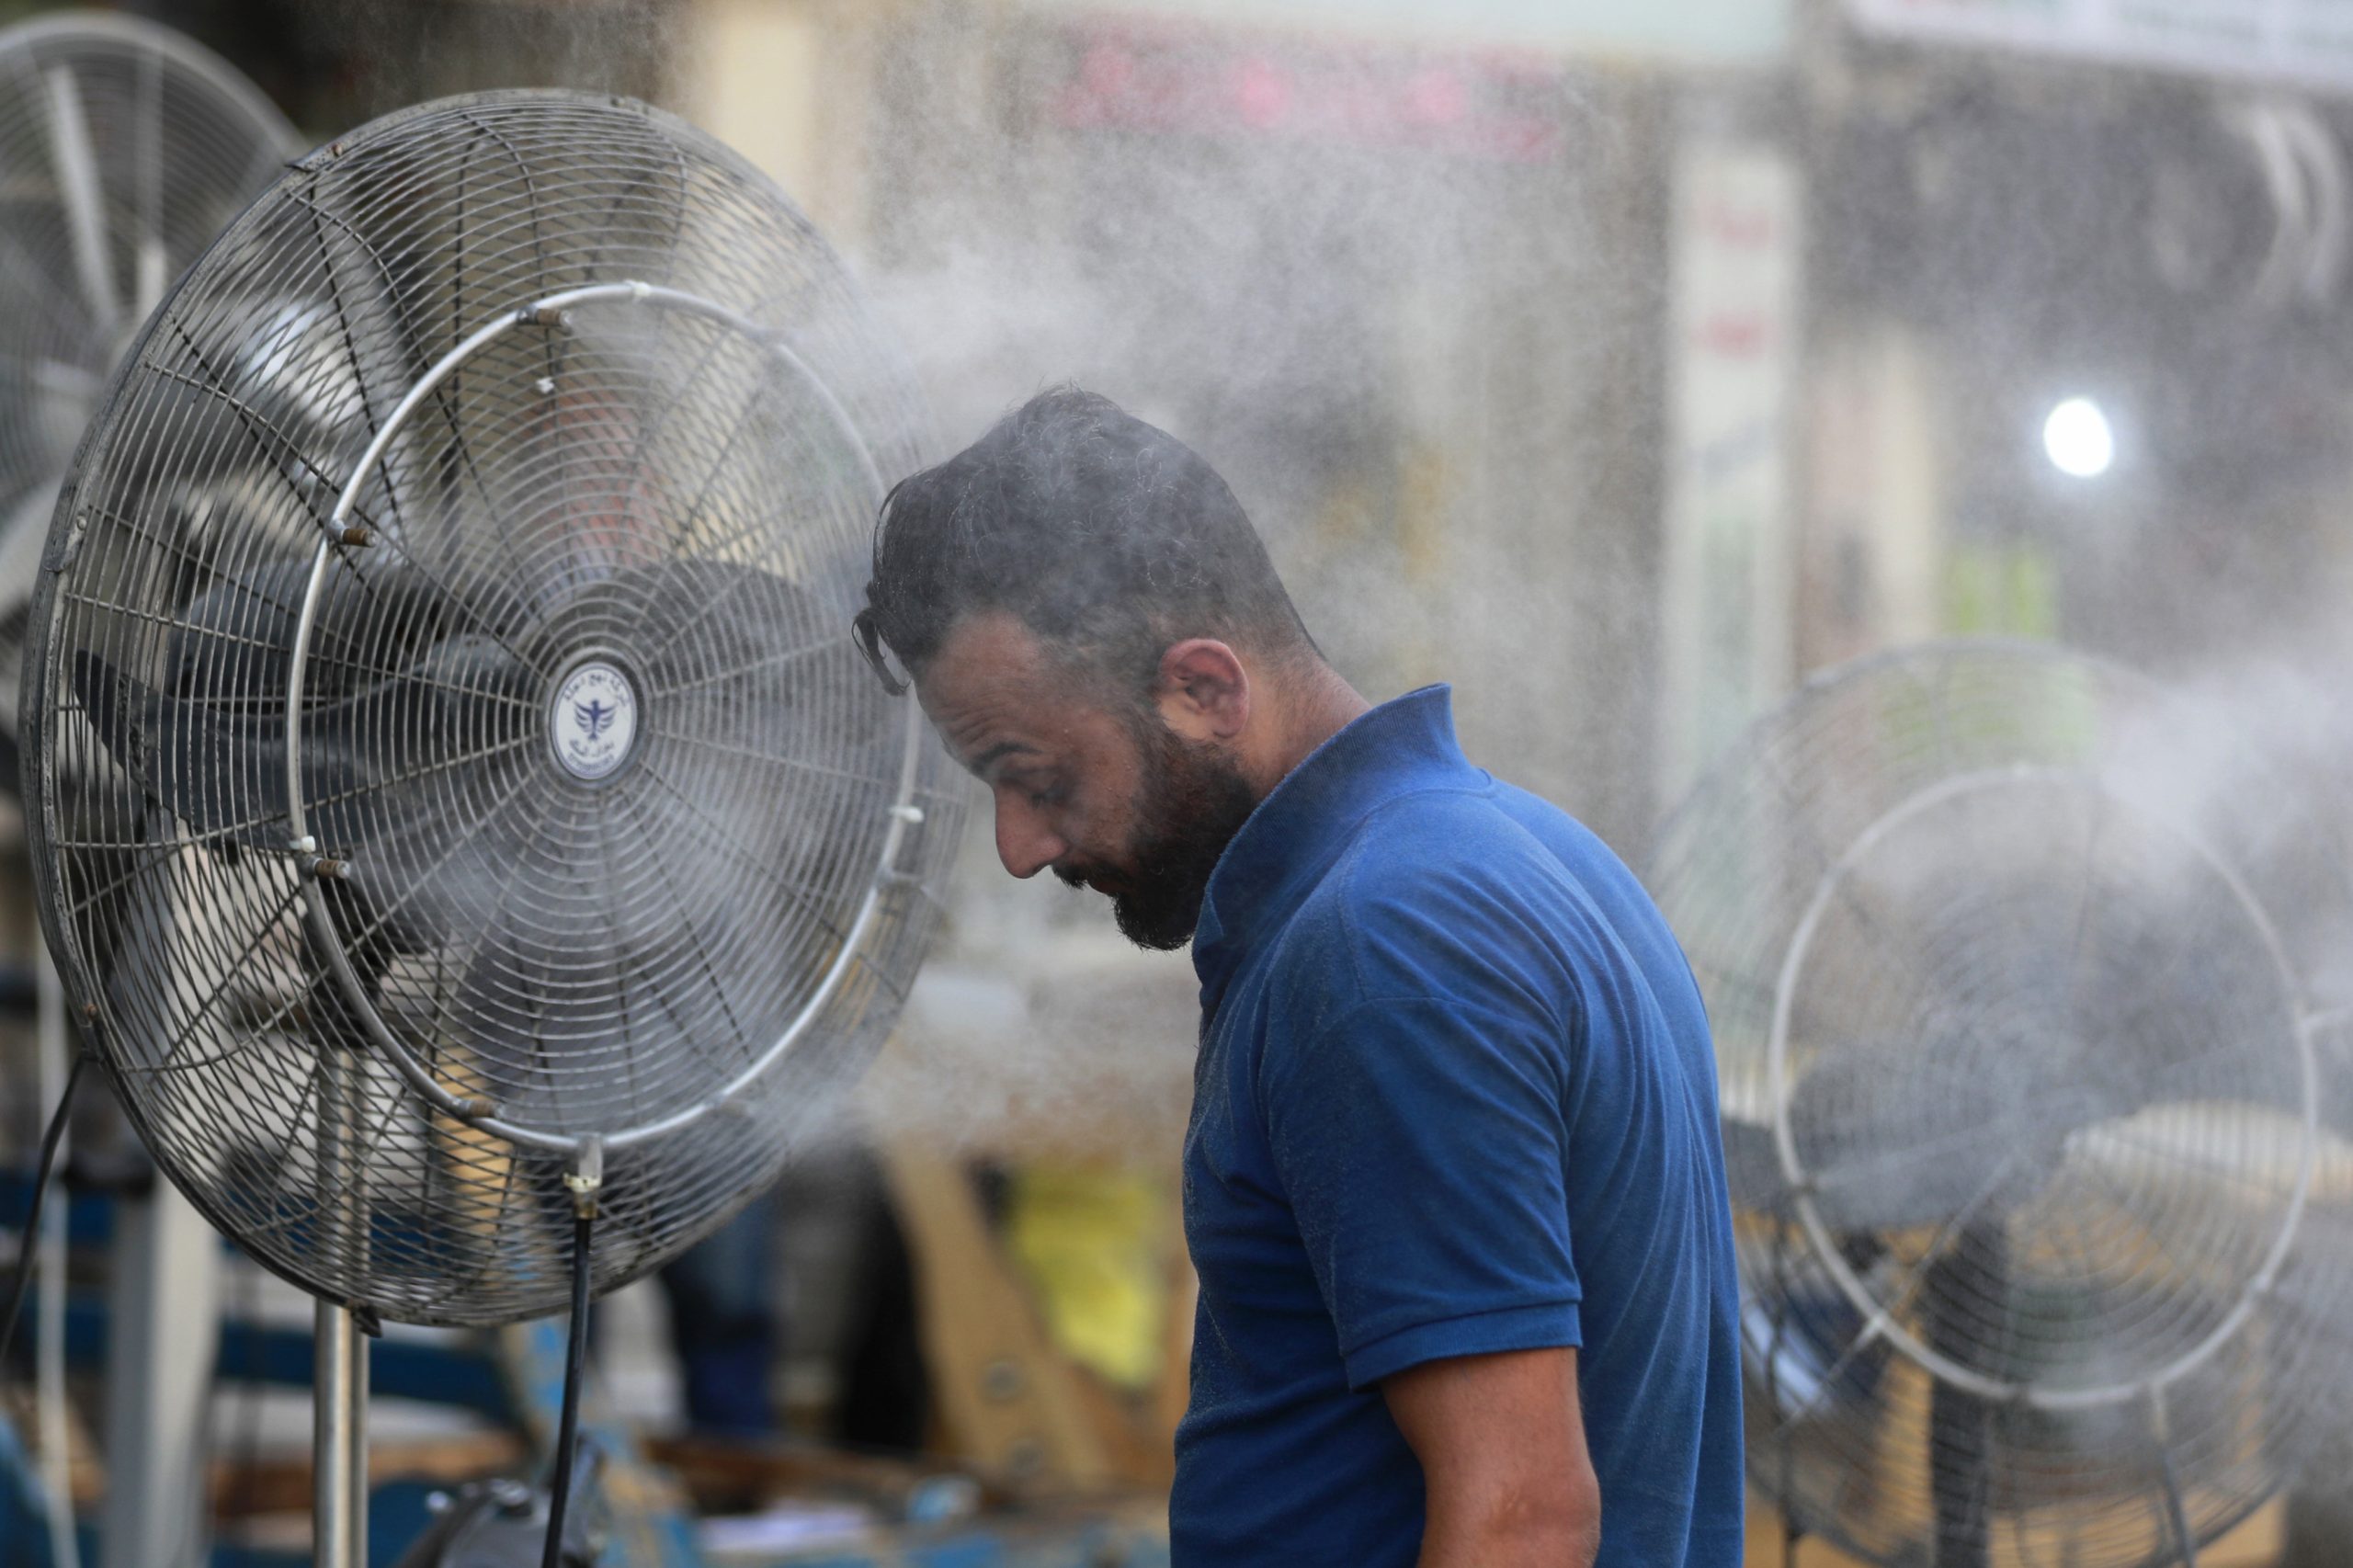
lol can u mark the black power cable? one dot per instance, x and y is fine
(576, 1356)
(26, 1252)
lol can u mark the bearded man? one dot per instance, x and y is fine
(1452, 1180)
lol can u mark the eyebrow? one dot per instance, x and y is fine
(979, 766)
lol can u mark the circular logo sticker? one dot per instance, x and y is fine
(593, 719)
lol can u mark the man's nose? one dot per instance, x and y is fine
(1024, 842)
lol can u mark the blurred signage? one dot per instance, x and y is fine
(2299, 40)
(1185, 82)
(1715, 32)
(1728, 641)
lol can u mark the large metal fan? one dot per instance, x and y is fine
(2021, 1107)
(453, 786)
(124, 149)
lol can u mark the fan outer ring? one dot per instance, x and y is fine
(548, 311)
(1881, 1324)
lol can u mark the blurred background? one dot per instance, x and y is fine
(1622, 363)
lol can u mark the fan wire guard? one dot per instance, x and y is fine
(607, 836)
(128, 148)
(2022, 1105)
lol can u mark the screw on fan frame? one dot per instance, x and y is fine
(551, 313)
(1879, 1321)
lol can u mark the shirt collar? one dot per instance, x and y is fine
(1399, 747)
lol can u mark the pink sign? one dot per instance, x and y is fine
(1174, 82)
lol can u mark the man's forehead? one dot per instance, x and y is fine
(992, 641)
(992, 692)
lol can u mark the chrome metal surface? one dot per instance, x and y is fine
(338, 1441)
(596, 396)
(484, 1114)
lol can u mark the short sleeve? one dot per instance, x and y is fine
(1421, 1144)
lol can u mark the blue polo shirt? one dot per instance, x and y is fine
(1455, 1094)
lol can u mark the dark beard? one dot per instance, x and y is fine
(1190, 804)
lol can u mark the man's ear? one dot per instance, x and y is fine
(1203, 692)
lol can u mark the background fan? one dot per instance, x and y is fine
(125, 148)
(2021, 1105)
(442, 665)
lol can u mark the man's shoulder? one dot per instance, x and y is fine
(1438, 894)
(1441, 854)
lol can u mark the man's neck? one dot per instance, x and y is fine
(1316, 705)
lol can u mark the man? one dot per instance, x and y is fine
(1452, 1181)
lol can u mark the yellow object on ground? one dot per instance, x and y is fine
(1092, 1246)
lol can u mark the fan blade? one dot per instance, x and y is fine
(177, 756)
(153, 264)
(1894, 1135)
(22, 539)
(2201, 1150)
(55, 378)
(1753, 1166)
(84, 200)
(227, 776)
(153, 274)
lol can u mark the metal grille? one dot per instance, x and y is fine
(2021, 1108)
(124, 149)
(450, 615)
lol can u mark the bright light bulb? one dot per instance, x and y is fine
(2077, 438)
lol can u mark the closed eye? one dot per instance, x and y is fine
(1042, 794)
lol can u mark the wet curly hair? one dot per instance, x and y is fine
(1108, 538)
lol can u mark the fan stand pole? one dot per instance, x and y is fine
(1960, 1424)
(2177, 1512)
(339, 1351)
(339, 1442)
(339, 1372)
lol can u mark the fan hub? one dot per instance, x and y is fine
(593, 719)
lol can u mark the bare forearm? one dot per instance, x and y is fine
(1506, 1479)
(1509, 1537)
